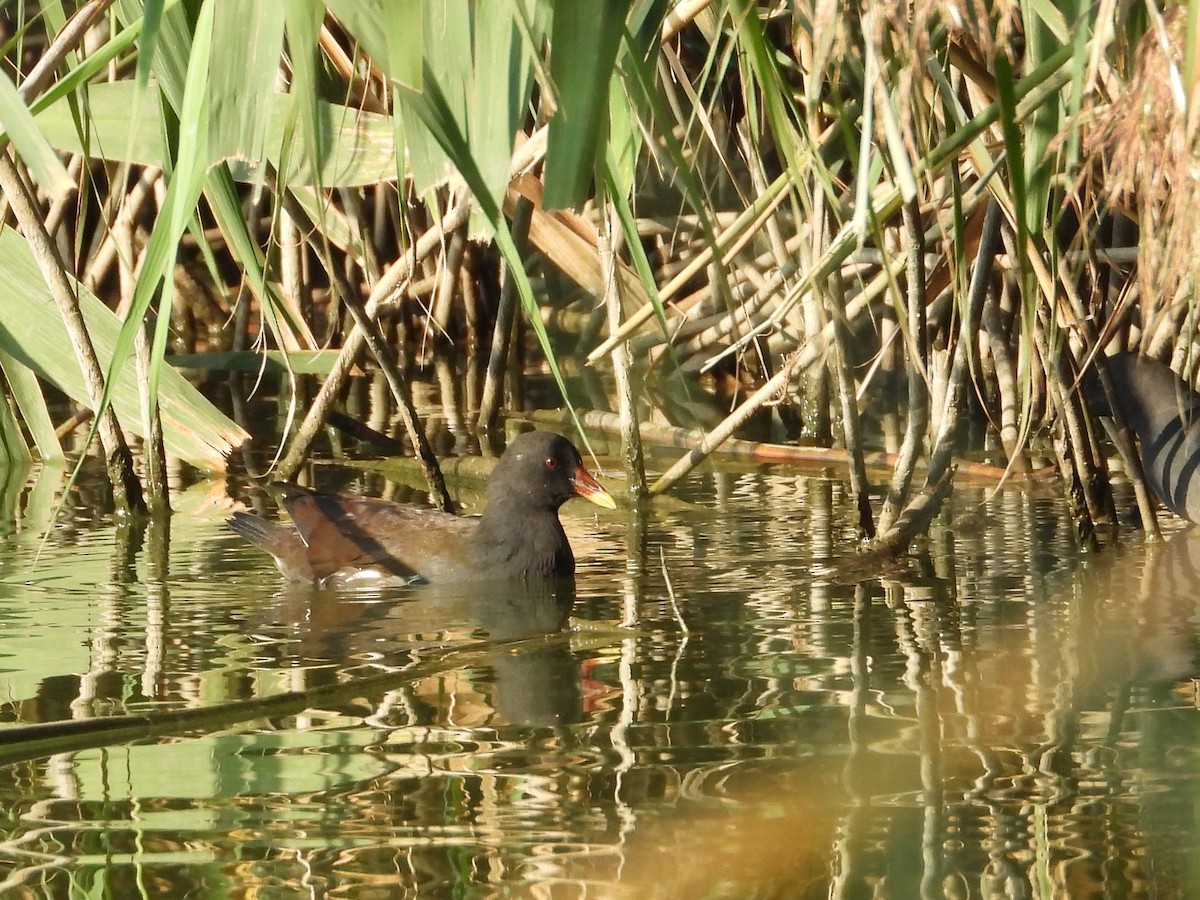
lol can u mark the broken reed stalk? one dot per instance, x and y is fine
(118, 461)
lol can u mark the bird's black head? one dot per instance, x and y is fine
(542, 470)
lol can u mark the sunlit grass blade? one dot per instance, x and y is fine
(360, 146)
(306, 133)
(183, 190)
(447, 40)
(285, 321)
(31, 403)
(152, 11)
(249, 34)
(584, 41)
(33, 333)
(14, 451)
(31, 145)
(501, 78)
(640, 85)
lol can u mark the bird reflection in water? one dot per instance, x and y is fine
(328, 632)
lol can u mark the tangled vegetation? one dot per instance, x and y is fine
(869, 223)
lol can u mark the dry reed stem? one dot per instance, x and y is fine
(390, 283)
(493, 385)
(127, 490)
(631, 445)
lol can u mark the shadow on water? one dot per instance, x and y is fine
(1000, 715)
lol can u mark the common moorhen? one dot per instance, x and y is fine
(341, 540)
(1164, 414)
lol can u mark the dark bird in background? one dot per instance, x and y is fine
(1164, 415)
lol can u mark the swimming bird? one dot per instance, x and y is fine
(345, 540)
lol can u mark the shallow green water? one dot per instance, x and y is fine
(1000, 716)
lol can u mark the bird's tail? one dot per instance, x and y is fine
(255, 529)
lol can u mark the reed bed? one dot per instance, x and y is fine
(876, 226)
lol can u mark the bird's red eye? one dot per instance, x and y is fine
(551, 462)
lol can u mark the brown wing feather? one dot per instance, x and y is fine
(343, 532)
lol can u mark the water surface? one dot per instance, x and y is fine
(731, 715)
